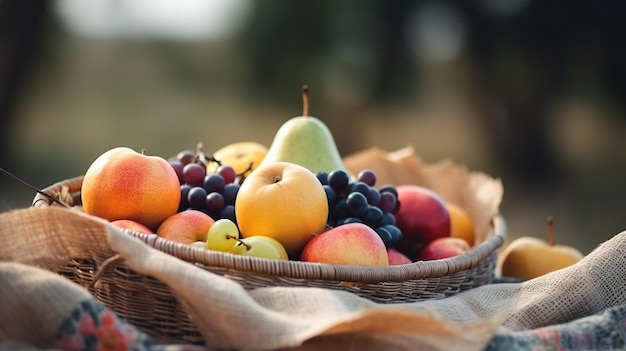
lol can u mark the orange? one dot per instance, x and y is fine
(461, 224)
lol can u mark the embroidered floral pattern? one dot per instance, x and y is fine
(603, 331)
(92, 326)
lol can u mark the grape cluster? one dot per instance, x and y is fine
(360, 201)
(213, 193)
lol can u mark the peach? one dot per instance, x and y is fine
(284, 201)
(124, 184)
(351, 244)
(443, 248)
(397, 258)
(186, 227)
(132, 225)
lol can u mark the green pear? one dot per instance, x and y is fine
(307, 141)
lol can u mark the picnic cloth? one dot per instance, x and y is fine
(580, 307)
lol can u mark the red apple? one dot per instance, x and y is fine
(444, 248)
(397, 258)
(422, 217)
(351, 244)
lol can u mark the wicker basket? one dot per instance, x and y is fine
(149, 304)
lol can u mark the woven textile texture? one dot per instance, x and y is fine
(230, 317)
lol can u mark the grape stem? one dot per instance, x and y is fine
(31, 187)
(247, 246)
(242, 175)
(305, 100)
(550, 224)
(202, 156)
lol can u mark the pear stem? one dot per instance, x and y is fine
(550, 224)
(305, 100)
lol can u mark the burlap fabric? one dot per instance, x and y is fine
(34, 302)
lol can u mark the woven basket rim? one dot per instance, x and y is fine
(307, 270)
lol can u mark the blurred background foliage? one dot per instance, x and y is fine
(531, 92)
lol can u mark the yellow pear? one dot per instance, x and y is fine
(307, 141)
(529, 257)
(243, 156)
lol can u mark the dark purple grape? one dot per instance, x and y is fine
(186, 156)
(213, 182)
(322, 177)
(228, 173)
(387, 202)
(385, 235)
(373, 196)
(358, 187)
(184, 191)
(196, 197)
(214, 202)
(178, 166)
(389, 189)
(338, 180)
(230, 193)
(367, 176)
(193, 174)
(357, 204)
(228, 212)
(340, 210)
(389, 218)
(373, 216)
(396, 234)
(331, 196)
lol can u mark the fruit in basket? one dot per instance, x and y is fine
(360, 201)
(307, 141)
(284, 201)
(213, 193)
(461, 224)
(396, 257)
(132, 225)
(222, 235)
(422, 217)
(186, 227)
(260, 246)
(443, 248)
(125, 184)
(243, 156)
(530, 257)
(350, 244)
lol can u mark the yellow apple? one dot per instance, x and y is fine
(284, 201)
(530, 257)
